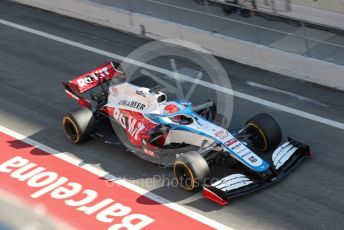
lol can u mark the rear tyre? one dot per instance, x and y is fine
(191, 171)
(267, 134)
(78, 125)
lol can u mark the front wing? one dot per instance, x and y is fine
(284, 159)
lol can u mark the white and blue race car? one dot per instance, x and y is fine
(180, 135)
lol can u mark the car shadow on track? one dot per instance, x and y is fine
(122, 164)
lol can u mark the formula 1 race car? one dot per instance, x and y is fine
(180, 135)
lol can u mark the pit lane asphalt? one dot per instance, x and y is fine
(32, 102)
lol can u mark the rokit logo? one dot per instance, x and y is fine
(93, 77)
(129, 123)
(231, 142)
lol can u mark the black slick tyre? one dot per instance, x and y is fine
(78, 125)
(266, 133)
(191, 170)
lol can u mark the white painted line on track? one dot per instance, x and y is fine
(241, 95)
(122, 182)
(287, 93)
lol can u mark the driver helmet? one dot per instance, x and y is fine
(170, 109)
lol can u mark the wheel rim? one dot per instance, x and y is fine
(258, 139)
(70, 130)
(184, 176)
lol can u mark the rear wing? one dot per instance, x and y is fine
(85, 82)
(94, 78)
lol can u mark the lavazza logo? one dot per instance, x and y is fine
(189, 72)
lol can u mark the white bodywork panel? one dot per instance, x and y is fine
(214, 132)
(134, 98)
(223, 136)
(139, 99)
(282, 154)
(180, 136)
(232, 182)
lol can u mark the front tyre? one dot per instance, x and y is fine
(266, 133)
(78, 125)
(191, 171)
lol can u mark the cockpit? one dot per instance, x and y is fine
(178, 111)
(182, 119)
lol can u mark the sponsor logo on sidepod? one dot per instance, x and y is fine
(129, 123)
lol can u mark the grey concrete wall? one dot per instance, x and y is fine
(332, 5)
(274, 60)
